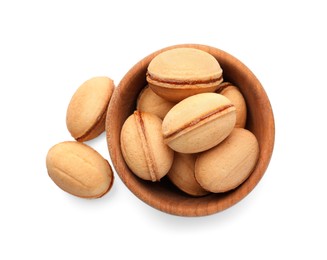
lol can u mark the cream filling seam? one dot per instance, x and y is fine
(145, 145)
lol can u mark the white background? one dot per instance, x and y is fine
(48, 48)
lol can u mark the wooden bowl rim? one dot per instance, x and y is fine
(186, 205)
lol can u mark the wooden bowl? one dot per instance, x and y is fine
(163, 195)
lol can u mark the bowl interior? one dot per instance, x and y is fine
(163, 195)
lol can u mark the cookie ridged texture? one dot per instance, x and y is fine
(79, 170)
(184, 65)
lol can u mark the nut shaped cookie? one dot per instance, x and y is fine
(178, 73)
(86, 112)
(198, 123)
(229, 164)
(79, 170)
(235, 96)
(150, 102)
(143, 148)
(181, 174)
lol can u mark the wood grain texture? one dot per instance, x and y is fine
(163, 195)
